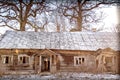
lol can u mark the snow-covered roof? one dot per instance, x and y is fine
(60, 40)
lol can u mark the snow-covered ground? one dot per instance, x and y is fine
(62, 76)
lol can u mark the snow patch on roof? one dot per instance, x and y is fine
(60, 40)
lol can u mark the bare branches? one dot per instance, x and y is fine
(77, 11)
(8, 4)
(10, 17)
(96, 4)
(83, 2)
(9, 27)
(20, 11)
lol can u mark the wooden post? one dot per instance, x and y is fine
(31, 59)
(40, 59)
(51, 64)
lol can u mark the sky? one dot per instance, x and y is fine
(110, 20)
(112, 15)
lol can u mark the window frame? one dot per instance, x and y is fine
(10, 59)
(79, 60)
(23, 57)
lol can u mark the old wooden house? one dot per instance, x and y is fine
(37, 52)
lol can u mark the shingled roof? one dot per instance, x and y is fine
(60, 40)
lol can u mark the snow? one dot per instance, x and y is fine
(62, 76)
(61, 40)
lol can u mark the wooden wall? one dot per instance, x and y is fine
(67, 64)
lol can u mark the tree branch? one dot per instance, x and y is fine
(6, 3)
(9, 27)
(10, 17)
(97, 5)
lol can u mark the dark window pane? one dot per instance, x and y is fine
(24, 60)
(7, 60)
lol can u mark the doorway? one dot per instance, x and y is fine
(108, 64)
(45, 63)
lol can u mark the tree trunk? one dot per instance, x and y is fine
(22, 23)
(22, 26)
(24, 14)
(79, 18)
(79, 24)
(58, 28)
(35, 29)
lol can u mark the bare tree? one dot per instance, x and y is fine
(39, 22)
(17, 12)
(82, 11)
(21, 14)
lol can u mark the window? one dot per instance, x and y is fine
(23, 59)
(79, 60)
(7, 59)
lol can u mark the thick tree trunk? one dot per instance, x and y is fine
(58, 28)
(24, 14)
(22, 23)
(22, 26)
(79, 18)
(79, 24)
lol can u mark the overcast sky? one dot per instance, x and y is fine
(111, 18)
